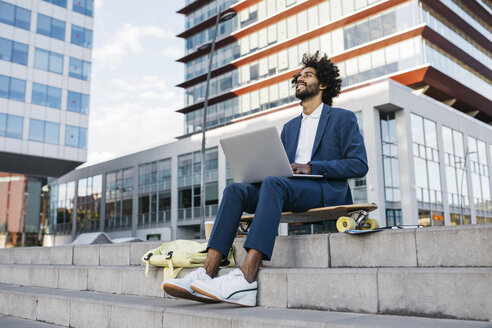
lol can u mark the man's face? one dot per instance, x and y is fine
(307, 84)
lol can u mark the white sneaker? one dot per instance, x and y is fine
(181, 287)
(231, 288)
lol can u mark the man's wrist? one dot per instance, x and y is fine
(310, 166)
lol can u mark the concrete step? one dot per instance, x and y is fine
(7, 321)
(464, 293)
(94, 309)
(463, 246)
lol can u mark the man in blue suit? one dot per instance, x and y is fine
(322, 140)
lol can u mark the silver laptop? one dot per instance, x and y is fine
(256, 155)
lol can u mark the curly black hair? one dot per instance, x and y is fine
(326, 72)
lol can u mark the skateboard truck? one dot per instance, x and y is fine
(356, 220)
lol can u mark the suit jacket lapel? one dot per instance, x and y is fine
(296, 128)
(325, 114)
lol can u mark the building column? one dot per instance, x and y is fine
(409, 207)
(102, 215)
(74, 211)
(442, 172)
(174, 197)
(135, 201)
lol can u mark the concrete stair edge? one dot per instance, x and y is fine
(363, 290)
(427, 247)
(92, 309)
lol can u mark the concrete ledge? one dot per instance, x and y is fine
(6, 255)
(459, 246)
(42, 255)
(92, 309)
(464, 293)
(346, 290)
(54, 310)
(393, 248)
(23, 255)
(111, 254)
(61, 255)
(86, 255)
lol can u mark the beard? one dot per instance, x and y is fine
(309, 91)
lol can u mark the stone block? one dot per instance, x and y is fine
(21, 275)
(462, 293)
(112, 254)
(308, 251)
(134, 282)
(85, 314)
(23, 255)
(7, 255)
(272, 288)
(189, 318)
(62, 255)
(43, 276)
(239, 251)
(346, 290)
(72, 277)
(86, 255)
(137, 250)
(23, 305)
(41, 255)
(6, 274)
(455, 246)
(135, 317)
(104, 279)
(54, 310)
(392, 248)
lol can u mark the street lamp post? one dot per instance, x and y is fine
(463, 172)
(211, 46)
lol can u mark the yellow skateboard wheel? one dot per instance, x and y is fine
(345, 223)
(370, 224)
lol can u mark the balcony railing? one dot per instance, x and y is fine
(118, 223)
(154, 219)
(194, 212)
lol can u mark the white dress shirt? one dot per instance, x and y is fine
(309, 126)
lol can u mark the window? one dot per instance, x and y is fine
(45, 95)
(51, 27)
(84, 7)
(11, 126)
(16, 16)
(81, 37)
(48, 61)
(76, 137)
(13, 51)
(11, 88)
(77, 102)
(79, 69)
(61, 3)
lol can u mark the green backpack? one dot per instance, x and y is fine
(178, 254)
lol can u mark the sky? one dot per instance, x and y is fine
(134, 73)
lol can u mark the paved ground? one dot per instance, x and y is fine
(12, 322)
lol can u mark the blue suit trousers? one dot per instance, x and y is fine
(267, 200)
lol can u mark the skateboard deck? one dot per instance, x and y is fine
(398, 227)
(321, 214)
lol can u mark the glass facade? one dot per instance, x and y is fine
(12, 88)
(65, 204)
(81, 37)
(60, 3)
(480, 179)
(79, 69)
(11, 126)
(84, 7)
(456, 178)
(51, 27)
(46, 132)
(48, 61)
(14, 52)
(75, 137)
(119, 200)
(154, 193)
(15, 16)
(45, 95)
(89, 194)
(77, 102)
(189, 184)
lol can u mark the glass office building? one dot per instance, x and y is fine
(416, 73)
(45, 66)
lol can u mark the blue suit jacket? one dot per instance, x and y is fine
(338, 152)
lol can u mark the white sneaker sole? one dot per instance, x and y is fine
(244, 301)
(180, 292)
